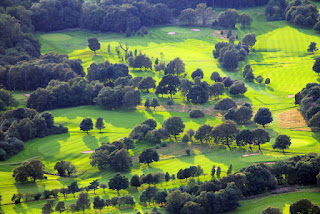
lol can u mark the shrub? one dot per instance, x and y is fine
(164, 144)
(225, 104)
(196, 114)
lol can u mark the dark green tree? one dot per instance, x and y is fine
(118, 182)
(148, 156)
(263, 116)
(86, 125)
(260, 136)
(94, 44)
(98, 203)
(282, 142)
(154, 103)
(60, 207)
(316, 66)
(100, 124)
(135, 181)
(83, 201)
(174, 126)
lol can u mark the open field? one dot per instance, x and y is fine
(280, 54)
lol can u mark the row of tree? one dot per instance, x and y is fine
(229, 19)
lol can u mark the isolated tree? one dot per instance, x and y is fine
(94, 185)
(249, 40)
(312, 47)
(245, 20)
(263, 116)
(244, 137)
(271, 210)
(259, 79)
(60, 207)
(217, 89)
(213, 171)
(282, 142)
(33, 169)
(73, 188)
(215, 76)
(197, 73)
(316, 66)
(260, 136)
(229, 170)
(225, 132)
(83, 201)
(175, 67)
(100, 124)
(174, 126)
(103, 186)
(267, 81)
(204, 13)
(148, 156)
(86, 125)
(98, 203)
(94, 44)
(188, 16)
(154, 103)
(118, 182)
(135, 181)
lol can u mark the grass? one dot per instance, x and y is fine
(279, 54)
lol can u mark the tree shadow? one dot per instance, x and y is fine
(19, 208)
(90, 141)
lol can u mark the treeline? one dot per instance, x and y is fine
(23, 124)
(30, 75)
(297, 12)
(309, 100)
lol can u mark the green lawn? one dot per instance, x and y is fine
(279, 54)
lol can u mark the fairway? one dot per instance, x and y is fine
(280, 54)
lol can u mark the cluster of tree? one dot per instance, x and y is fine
(33, 169)
(140, 61)
(65, 168)
(7, 100)
(17, 42)
(240, 115)
(30, 75)
(156, 178)
(309, 100)
(297, 12)
(107, 72)
(58, 94)
(191, 16)
(229, 19)
(229, 54)
(23, 124)
(249, 76)
(239, 3)
(301, 170)
(130, 16)
(114, 155)
(86, 124)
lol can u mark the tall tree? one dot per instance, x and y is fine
(83, 201)
(316, 66)
(86, 125)
(263, 116)
(312, 47)
(100, 124)
(225, 132)
(98, 203)
(135, 181)
(154, 103)
(175, 67)
(94, 44)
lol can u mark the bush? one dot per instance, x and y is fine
(196, 114)
(188, 152)
(225, 104)
(170, 102)
(158, 146)
(164, 144)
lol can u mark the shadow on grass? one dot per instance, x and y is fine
(90, 141)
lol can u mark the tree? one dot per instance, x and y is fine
(60, 207)
(267, 81)
(204, 13)
(169, 85)
(148, 194)
(215, 76)
(135, 181)
(225, 104)
(217, 89)
(317, 27)
(48, 207)
(225, 132)
(263, 116)
(229, 170)
(175, 67)
(86, 125)
(83, 201)
(118, 182)
(103, 186)
(238, 88)
(98, 203)
(271, 210)
(147, 103)
(65, 168)
(249, 40)
(259, 79)
(229, 59)
(228, 19)
(167, 177)
(33, 169)
(192, 208)
(188, 16)
(218, 172)
(100, 124)
(197, 73)
(185, 86)
(204, 133)
(94, 185)
(174, 126)
(154, 103)
(198, 94)
(312, 47)
(120, 160)
(94, 44)
(147, 83)
(213, 171)
(176, 200)
(73, 188)
(148, 156)
(316, 66)
(304, 206)
(245, 20)
(260, 136)
(282, 142)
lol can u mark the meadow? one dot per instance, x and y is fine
(279, 54)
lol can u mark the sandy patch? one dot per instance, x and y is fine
(290, 96)
(196, 30)
(267, 163)
(25, 100)
(87, 152)
(172, 33)
(27, 95)
(292, 119)
(247, 155)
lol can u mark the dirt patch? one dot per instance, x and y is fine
(27, 95)
(247, 155)
(222, 34)
(290, 96)
(171, 33)
(87, 152)
(267, 163)
(292, 119)
(196, 30)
